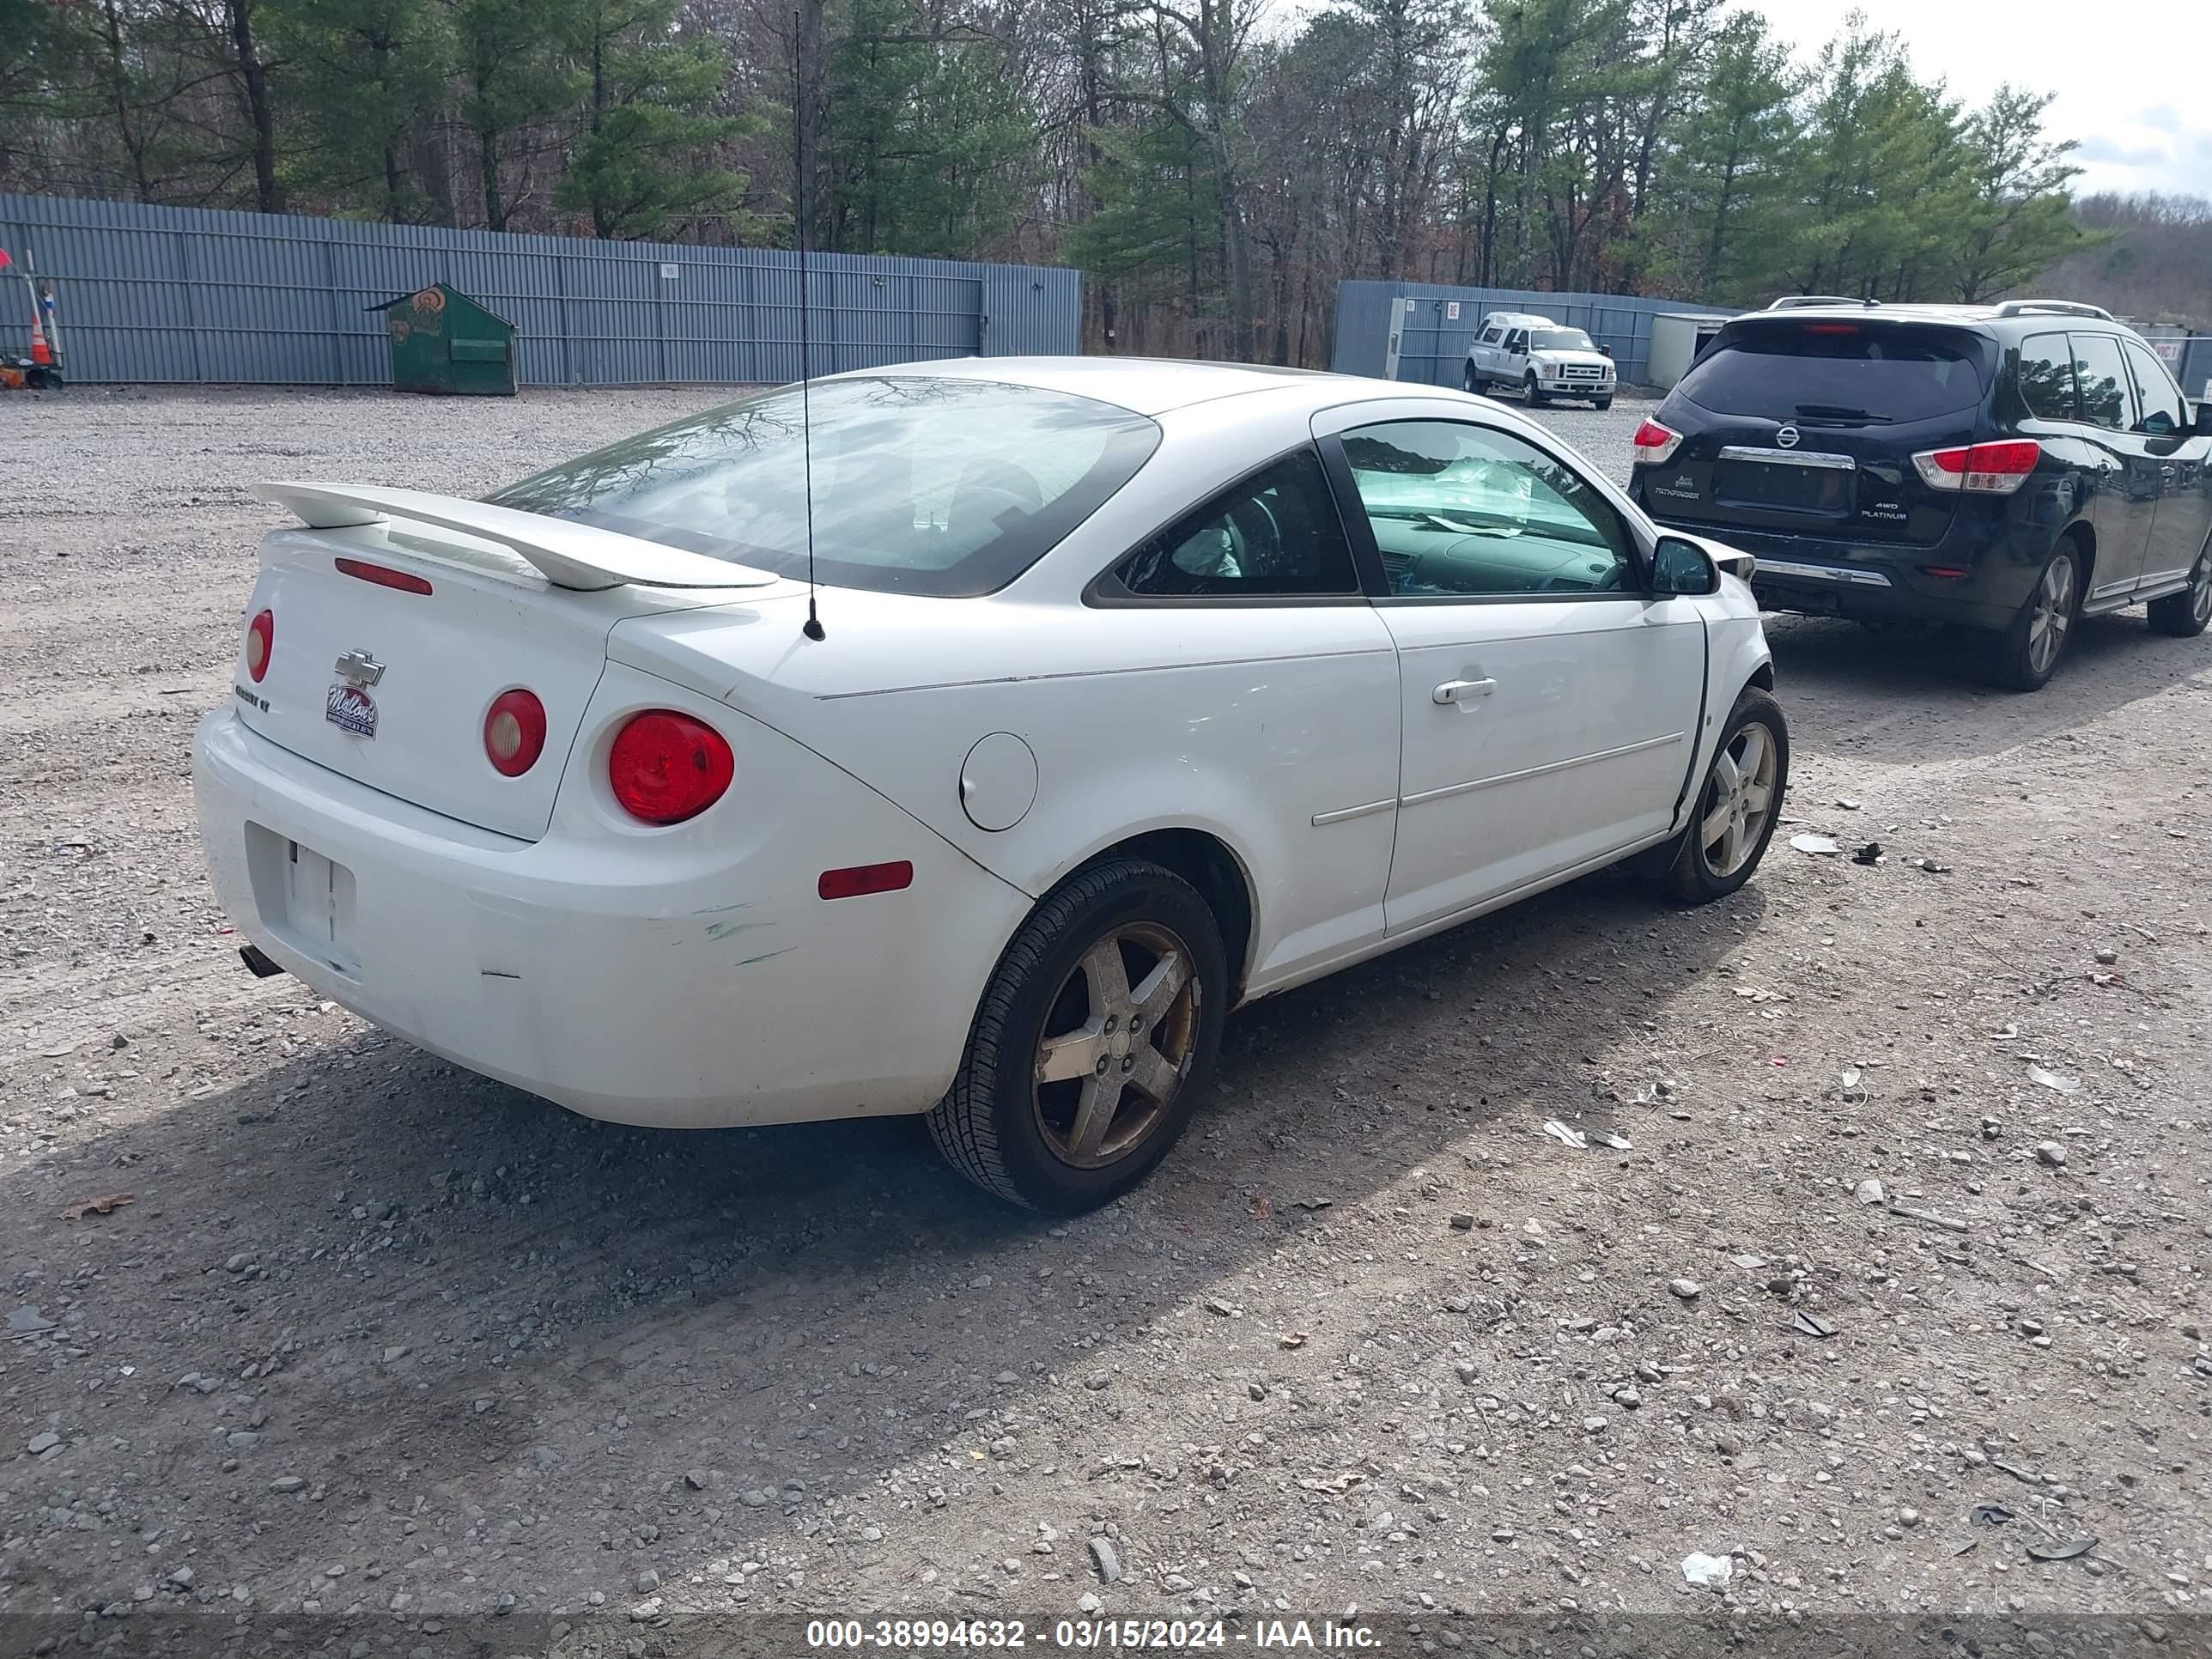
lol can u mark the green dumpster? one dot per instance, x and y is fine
(444, 342)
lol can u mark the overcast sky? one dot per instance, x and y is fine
(2134, 77)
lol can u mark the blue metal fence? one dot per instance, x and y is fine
(1435, 323)
(151, 293)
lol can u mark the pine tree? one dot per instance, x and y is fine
(366, 80)
(929, 137)
(640, 167)
(2018, 219)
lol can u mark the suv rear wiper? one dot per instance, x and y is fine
(1839, 412)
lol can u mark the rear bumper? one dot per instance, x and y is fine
(1831, 576)
(666, 978)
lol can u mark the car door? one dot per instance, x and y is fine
(2184, 517)
(1548, 706)
(1288, 681)
(1487, 356)
(1513, 359)
(2128, 482)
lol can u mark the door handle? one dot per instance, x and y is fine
(1463, 691)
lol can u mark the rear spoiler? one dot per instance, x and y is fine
(577, 556)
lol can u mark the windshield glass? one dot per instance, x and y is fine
(1562, 339)
(936, 486)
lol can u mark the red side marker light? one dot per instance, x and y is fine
(383, 575)
(859, 878)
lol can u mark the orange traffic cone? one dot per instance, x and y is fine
(40, 354)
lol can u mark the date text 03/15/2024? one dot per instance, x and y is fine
(1168, 1635)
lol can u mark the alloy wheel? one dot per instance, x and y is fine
(2200, 593)
(1740, 798)
(1118, 1043)
(2052, 614)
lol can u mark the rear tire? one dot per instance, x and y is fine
(1126, 1074)
(2184, 614)
(2025, 656)
(1533, 393)
(1473, 381)
(1738, 805)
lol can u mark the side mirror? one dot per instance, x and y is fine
(1605, 350)
(2204, 419)
(1681, 569)
(2158, 424)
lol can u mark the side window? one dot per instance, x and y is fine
(1494, 333)
(1464, 512)
(2046, 377)
(1274, 533)
(2164, 413)
(1517, 342)
(2101, 378)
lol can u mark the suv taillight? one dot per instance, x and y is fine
(1996, 469)
(1655, 443)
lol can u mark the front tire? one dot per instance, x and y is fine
(2184, 614)
(2028, 653)
(1602, 405)
(1532, 393)
(1738, 805)
(1094, 1036)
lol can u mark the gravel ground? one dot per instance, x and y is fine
(378, 1338)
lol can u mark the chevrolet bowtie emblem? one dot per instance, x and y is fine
(359, 668)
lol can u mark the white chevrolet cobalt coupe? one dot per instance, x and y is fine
(1143, 690)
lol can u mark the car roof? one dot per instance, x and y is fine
(1145, 385)
(1519, 316)
(1953, 316)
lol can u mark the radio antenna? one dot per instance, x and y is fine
(800, 214)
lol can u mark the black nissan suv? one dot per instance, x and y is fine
(2001, 468)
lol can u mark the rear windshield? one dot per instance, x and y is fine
(935, 486)
(1561, 339)
(1841, 370)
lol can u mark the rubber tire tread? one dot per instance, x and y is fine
(2005, 659)
(2169, 616)
(1686, 879)
(964, 1124)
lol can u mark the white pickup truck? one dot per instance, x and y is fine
(1544, 359)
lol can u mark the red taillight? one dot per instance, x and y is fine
(859, 878)
(515, 731)
(1996, 469)
(1654, 442)
(1831, 328)
(260, 641)
(1949, 572)
(383, 575)
(667, 767)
